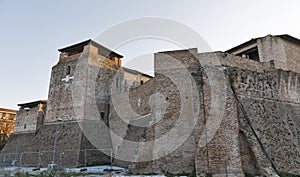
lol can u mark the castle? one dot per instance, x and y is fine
(224, 113)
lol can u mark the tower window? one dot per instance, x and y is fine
(102, 115)
(251, 54)
(68, 70)
(117, 82)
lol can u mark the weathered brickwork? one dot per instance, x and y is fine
(292, 54)
(30, 117)
(270, 101)
(237, 147)
(219, 154)
(60, 93)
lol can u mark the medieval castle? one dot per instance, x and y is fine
(224, 113)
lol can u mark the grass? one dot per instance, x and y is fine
(249, 175)
(193, 174)
(287, 175)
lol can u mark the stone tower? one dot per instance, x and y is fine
(78, 99)
(81, 80)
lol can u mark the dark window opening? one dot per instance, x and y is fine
(142, 82)
(251, 54)
(24, 126)
(68, 70)
(104, 118)
(117, 82)
(102, 115)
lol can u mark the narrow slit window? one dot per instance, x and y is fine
(68, 70)
(102, 115)
(117, 82)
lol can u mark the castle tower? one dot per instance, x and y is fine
(78, 103)
(80, 80)
(76, 122)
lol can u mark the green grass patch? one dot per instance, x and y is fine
(287, 175)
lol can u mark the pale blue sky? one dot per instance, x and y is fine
(33, 30)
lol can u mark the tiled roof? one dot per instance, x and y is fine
(8, 110)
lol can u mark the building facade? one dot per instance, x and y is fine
(7, 122)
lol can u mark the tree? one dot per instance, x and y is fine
(6, 130)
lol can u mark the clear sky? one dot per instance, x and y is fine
(33, 30)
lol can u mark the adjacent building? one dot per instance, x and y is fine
(7, 122)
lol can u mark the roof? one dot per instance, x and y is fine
(33, 104)
(79, 47)
(135, 72)
(8, 110)
(253, 40)
(290, 38)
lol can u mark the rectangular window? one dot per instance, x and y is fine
(117, 82)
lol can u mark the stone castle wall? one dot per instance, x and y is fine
(270, 101)
(217, 149)
(157, 106)
(240, 143)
